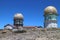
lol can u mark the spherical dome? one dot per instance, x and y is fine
(18, 16)
(50, 9)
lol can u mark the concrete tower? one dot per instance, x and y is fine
(50, 17)
(18, 20)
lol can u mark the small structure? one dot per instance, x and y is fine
(29, 27)
(8, 27)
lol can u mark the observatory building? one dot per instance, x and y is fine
(50, 17)
(18, 20)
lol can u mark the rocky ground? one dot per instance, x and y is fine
(36, 34)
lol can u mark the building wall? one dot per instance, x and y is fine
(18, 22)
(50, 21)
(51, 24)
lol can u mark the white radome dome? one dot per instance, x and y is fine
(50, 9)
(18, 16)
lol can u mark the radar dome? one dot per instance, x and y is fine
(18, 16)
(50, 9)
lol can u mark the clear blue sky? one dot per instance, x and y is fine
(33, 11)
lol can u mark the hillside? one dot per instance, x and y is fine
(37, 34)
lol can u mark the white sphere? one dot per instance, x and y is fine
(18, 16)
(50, 9)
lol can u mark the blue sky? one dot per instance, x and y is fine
(33, 11)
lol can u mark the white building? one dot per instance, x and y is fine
(8, 27)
